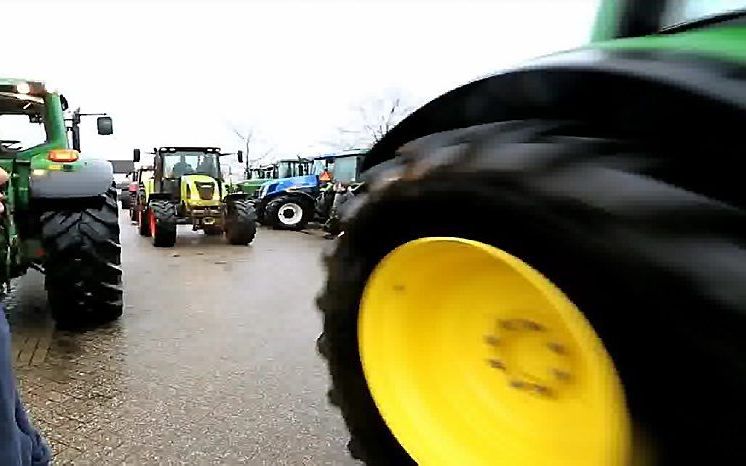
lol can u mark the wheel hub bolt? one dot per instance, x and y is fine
(556, 347)
(542, 390)
(491, 340)
(497, 364)
(519, 384)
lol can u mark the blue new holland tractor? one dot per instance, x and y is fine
(301, 191)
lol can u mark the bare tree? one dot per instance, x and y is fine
(371, 121)
(252, 156)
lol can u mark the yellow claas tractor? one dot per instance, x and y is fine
(187, 188)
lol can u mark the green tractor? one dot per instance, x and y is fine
(60, 208)
(548, 266)
(187, 188)
(256, 177)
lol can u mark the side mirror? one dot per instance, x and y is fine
(240, 156)
(136, 155)
(104, 126)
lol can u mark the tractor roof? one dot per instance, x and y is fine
(188, 149)
(335, 155)
(23, 86)
(296, 160)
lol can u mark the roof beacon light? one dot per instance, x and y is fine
(23, 88)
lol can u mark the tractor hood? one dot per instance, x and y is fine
(295, 183)
(200, 188)
(251, 186)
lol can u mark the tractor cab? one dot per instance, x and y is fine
(291, 168)
(343, 185)
(176, 169)
(258, 173)
(323, 167)
(347, 168)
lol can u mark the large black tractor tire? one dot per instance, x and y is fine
(288, 213)
(656, 267)
(126, 201)
(143, 220)
(163, 226)
(133, 208)
(240, 222)
(212, 230)
(83, 261)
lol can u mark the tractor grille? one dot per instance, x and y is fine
(205, 190)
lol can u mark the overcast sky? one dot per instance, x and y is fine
(181, 73)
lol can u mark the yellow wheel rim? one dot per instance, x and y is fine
(473, 357)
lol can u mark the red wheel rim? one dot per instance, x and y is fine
(151, 215)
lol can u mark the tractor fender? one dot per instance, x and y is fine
(160, 196)
(648, 94)
(90, 178)
(305, 197)
(240, 196)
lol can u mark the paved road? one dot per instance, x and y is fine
(213, 362)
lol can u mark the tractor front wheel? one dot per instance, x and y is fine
(288, 213)
(82, 261)
(583, 297)
(162, 223)
(240, 222)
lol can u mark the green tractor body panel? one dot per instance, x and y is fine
(724, 43)
(251, 186)
(605, 26)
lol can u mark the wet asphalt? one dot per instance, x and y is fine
(213, 361)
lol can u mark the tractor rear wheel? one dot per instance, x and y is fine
(240, 222)
(288, 213)
(82, 261)
(162, 222)
(126, 200)
(576, 268)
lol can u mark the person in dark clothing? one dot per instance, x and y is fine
(181, 168)
(20, 443)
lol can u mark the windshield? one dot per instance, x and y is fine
(257, 173)
(292, 168)
(178, 164)
(285, 170)
(345, 169)
(320, 165)
(17, 131)
(686, 11)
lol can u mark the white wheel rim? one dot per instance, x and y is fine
(290, 213)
